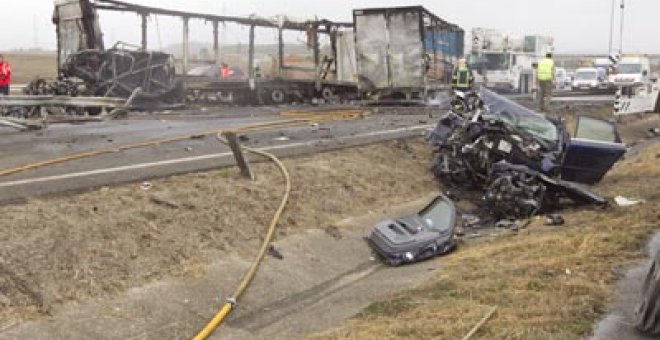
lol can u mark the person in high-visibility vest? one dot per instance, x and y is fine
(545, 74)
(462, 78)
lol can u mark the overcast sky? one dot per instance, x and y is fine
(579, 26)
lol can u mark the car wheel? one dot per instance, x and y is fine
(647, 312)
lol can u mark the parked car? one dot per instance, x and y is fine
(523, 160)
(562, 81)
(590, 79)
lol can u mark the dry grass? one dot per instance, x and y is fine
(98, 243)
(549, 283)
(27, 66)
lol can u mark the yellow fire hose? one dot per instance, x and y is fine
(249, 275)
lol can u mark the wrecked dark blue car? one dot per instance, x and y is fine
(523, 160)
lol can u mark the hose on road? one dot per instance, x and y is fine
(304, 118)
(249, 275)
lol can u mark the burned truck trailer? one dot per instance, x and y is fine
(404, 52)
(79, 33)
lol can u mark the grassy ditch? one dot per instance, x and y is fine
(547, 282)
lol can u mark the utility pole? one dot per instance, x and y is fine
(609, 51)
(36, 31)
(623, 6)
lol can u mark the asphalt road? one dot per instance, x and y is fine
(194, 154)
(618, 324)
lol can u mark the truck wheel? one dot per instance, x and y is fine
(327, 93)
(277, 96)
(647, 312)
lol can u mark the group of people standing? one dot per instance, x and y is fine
(463, 79)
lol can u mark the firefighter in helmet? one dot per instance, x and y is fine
(462, 78)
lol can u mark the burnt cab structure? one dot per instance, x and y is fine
(404, 52)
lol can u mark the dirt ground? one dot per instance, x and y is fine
(547, 282)
(27, 66)
(95, 244)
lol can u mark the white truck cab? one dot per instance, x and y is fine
(631, 70)
(506, 62)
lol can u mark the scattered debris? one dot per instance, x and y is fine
(481, 322)
(416, 237)
(470, 221)
(626, 202)
(654, 132)
(272, 251)
(334, 232)
(554, 219)
(164, 202)
(505, 224)
(146, 186)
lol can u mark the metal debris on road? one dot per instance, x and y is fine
(626, 202)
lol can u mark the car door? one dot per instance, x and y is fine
(593, 150)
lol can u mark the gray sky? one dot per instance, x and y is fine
(579, 26)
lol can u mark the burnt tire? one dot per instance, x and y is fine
(277, 96)
(647, 311)
(327, 94)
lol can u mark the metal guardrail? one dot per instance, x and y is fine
(117, 105)
(22, 100)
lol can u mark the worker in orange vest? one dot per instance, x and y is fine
(5, 76)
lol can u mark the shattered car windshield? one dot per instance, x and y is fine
(439, 215)
(535, 125)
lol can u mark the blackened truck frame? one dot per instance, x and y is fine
(314, 27)
(404, 50)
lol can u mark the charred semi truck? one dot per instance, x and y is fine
(404, 53)
(116, 71)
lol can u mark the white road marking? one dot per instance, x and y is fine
(193, 159)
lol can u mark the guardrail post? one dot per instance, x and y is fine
(216, 43)
(241, 161)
